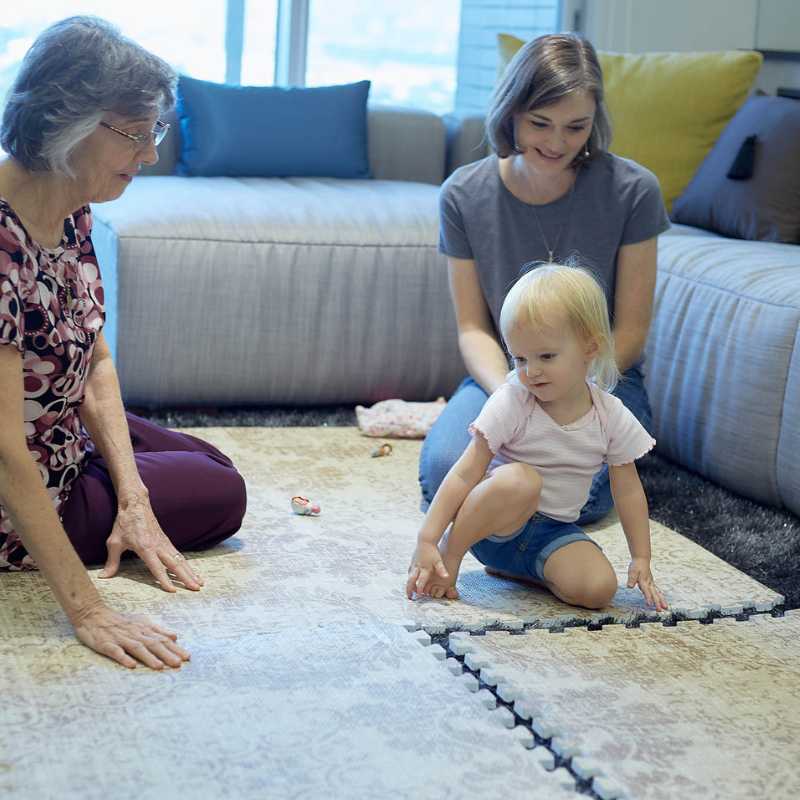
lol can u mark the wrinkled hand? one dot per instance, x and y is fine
(426, 563)
(128, 640)
(136, 528)
(639, 573)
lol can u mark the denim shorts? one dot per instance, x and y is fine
(525, 552)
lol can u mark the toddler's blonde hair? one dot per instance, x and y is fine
(574, 294)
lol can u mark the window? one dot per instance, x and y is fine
(407, 49)
(199, 50)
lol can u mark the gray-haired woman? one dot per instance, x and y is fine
(551, 191)
(81, 481)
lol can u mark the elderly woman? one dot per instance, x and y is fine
(81, 481)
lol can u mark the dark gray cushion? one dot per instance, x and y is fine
(766, 206)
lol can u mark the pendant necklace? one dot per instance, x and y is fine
(564, 224)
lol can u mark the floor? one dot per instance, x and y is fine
(312, 675)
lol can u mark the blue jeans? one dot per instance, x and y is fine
(524, 553)
(448, 438)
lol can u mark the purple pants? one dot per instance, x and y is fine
(196, 493)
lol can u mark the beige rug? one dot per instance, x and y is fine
(303, 679)
(657, 713)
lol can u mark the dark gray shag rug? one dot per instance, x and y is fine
(761, 541)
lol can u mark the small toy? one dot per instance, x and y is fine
(382, 450)
(304, 507)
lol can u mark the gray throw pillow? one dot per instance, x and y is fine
(764, 206)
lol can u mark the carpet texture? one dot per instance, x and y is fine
(761, 541)
(307, 677)
(657, 713)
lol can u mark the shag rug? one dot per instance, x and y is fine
(761, 541)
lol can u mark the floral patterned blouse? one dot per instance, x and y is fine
(51, 310)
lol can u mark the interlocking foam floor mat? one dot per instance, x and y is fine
(303, 676)
(333, 710)
(657, 712)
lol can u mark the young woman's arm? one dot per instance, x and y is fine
(477, 341)
(633, 300)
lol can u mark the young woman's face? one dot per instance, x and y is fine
(550, 137)
(551, 361)
(107, 161)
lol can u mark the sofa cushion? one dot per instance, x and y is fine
(271, 131)
(722, 348)
(668, 109)
(237, 291)
(765, 206)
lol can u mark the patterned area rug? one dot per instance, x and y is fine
(305, 677)
(656, 712)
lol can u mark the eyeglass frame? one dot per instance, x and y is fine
(156, 136)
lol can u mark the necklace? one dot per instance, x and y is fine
(564, 224)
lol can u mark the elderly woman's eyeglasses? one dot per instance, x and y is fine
(156, 136)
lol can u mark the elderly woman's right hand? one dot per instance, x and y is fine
(128, 640)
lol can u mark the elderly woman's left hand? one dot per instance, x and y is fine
(136, 528)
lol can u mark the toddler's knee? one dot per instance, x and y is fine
(523, 485)
(598, 592)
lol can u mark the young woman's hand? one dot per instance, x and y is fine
(639, 574)
(128, 640)
(136, 528)
(426, 563)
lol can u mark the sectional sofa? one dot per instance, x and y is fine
(309, 291)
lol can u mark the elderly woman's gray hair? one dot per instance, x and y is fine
(76, 71)
(542, 72)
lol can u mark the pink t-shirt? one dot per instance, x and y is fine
(567, 457)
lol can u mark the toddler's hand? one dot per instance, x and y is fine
(639, 573)
(425, 563)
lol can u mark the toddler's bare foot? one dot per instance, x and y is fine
(446, 587)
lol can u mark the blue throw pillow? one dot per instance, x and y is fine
(271, 131)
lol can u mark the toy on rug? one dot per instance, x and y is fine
(304, 507)
(384, 449)
(399, 418)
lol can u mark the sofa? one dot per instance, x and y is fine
(315, 291)
(297, 291)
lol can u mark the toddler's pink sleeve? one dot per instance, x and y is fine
(627, 438)
(501, 416)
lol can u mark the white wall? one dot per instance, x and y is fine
(638, 26)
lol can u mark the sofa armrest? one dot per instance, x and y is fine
(465, 140)
(404, 144)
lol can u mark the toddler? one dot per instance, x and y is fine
(513, 496)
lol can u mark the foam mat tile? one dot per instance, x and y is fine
(335, 710)
(691, 710)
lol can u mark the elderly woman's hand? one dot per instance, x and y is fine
(136, 528)
(128, 640)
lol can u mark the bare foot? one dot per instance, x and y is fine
(446, 587)
(511, 576)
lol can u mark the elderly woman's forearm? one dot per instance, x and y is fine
(103, 416)
(27, 502)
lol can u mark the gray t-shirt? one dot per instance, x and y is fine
(616, 202)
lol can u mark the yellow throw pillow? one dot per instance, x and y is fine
(668, 109)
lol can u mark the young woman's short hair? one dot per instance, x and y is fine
(542, 72)
(76, 71)
(571, 294)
